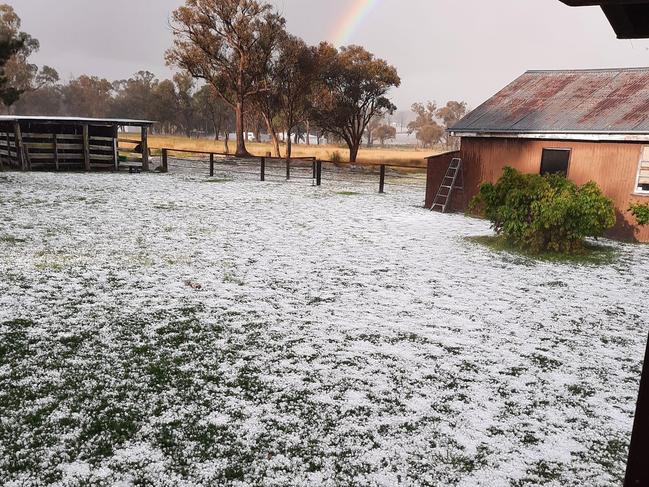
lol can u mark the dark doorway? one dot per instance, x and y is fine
(555, 161)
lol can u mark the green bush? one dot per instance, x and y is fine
(641, 213)
(544, 213)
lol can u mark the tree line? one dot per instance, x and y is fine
(238, 69)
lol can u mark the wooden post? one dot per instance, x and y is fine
(145, 148)
(382, 180)
(263, 169)
(318, 179)
(56, 152)
(211, 165)
(637, 468)
(18, 143)
(86, 148)
(165, 160)
(288, 169)
(116, 154)
(9, 149)
(116, 147)
(313, 168)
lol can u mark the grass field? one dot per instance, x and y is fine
(409, 156)
(177, 330)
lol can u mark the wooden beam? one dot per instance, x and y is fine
(8, 149)
(18, 142)
(86, 148)
(56, 152)
(116, 147)
(165, 160)
(145, 148)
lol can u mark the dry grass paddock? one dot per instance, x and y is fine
(378, 155)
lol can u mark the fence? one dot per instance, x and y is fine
(300, 168)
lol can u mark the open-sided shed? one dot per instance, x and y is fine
(69, 143)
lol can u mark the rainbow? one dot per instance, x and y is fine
(352, 20)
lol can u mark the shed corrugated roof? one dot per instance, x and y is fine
(80, 120)
(600, 101)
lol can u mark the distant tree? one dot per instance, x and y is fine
(134, 97)
(187, 110)
(88, 96)
(429, 135)
(17, 75)
(424, 115)
(298, 69)
(374, 124)
(353, 90)
(213, 111)
(450, 115)
(268, 104)
(385, 132)
(229, 44)
(164, 106)
(427, 130)
(44, 98)
(452, 112)
(286, 102)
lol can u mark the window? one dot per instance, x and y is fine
(643, 172)
(555, 161)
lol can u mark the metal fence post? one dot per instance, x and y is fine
(637, 469)
(165, 160)
(382, 180)
(263, 169)
(211, 165)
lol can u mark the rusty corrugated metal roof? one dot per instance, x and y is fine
(599, 101)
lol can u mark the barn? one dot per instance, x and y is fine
(72, 144)
(591, 125)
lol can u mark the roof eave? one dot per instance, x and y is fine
(595, 136)
(77, 120)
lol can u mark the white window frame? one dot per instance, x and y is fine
(638, 189)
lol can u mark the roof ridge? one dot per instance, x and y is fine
(588, 70)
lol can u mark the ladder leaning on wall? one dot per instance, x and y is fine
(449, 183)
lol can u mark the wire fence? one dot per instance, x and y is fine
(310, 170)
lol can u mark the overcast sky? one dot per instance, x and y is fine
(443, 49)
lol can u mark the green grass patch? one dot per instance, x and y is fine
(347, 193)
(10, 239)
(592, 254)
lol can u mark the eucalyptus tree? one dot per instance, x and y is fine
(353, 90)
(229, 44)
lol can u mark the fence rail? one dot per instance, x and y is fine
(385, 174)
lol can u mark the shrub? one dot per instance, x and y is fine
(336, 157)
(539, 213)
(641, 213)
